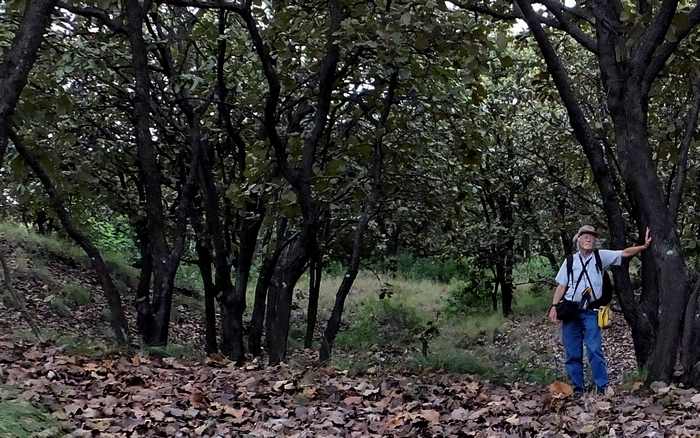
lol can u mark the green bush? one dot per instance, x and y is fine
(114, 236)
(381, 322)
(470, 294)
(59, 307)
(429, 268)
(75, 294)
(533, 270)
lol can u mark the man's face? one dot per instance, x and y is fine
(586, 241)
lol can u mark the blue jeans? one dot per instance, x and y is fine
(580, 330)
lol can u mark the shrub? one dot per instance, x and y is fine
(59, 306)
(75, 294)
(533, 270)
(381, 322)
(472, 294)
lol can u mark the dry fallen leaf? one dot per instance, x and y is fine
(560, 390)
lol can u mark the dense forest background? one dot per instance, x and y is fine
(243, 152)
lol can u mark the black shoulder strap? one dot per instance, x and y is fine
(598, 261)
(570, 269)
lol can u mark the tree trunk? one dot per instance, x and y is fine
(505, 278)
(233, 305)
(291, 266)
(671, 279)
(205, 260)
(144, 313)
(19, 60)
(315, 273)
(333, 325)
(690, 346)
(116, 311)
(264, 277)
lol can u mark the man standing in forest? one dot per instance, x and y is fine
(579, 285)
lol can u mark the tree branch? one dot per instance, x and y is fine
(202, 4)
(273, 96)
(690, 128)
(653, 37)
(664, 52)
(91, 12)
(556, 8)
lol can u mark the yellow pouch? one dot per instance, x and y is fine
(604, 317)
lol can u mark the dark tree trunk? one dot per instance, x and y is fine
(144, 316)
(627, 83)
(233, 305)
(315, 273)
(291, 265)
(333, 325)
(166, 259)
(163, 276)
(669, 283)
(205, 259)
(18, 62)
(504, 274)
(116, 311)
(690, 352)
(267, 267)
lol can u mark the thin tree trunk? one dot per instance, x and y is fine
(234, 305)
(315, 273)
(144, 315)
(114, 304)
(333, 325)
(205, 260)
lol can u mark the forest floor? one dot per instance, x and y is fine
(74, 383)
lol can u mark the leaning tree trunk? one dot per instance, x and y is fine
(642, 330)
(116, 311)
(18, 62)
(333, 325)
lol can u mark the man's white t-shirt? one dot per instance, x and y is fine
(607, 258)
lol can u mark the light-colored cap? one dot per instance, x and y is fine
(586, 229)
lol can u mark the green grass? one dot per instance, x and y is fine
(37, 246)
(455, 361)
(464, 342)
(178, 351)
(19, 419)
(531, 299)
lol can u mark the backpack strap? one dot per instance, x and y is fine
(598, 261)
(569, 270)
